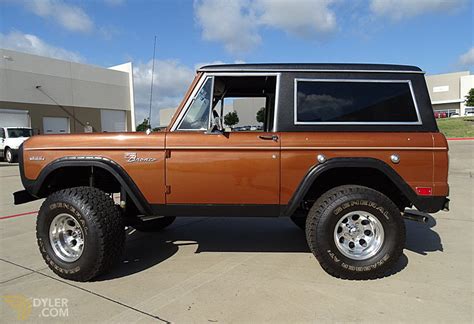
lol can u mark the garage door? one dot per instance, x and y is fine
(55, 125)
(14, 118)
(112, 120)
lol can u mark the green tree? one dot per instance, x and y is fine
(231, 119)
(145, 124)
(261, 115)
(470, 98)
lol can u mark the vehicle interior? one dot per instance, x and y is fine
(249, 98)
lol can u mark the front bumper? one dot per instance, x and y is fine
(22, 196)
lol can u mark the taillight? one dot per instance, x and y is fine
(424, 191)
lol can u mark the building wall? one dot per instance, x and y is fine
(448, 91)
(246, 109)
(42, 85)
(446, 107)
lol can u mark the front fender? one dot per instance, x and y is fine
(34, 187)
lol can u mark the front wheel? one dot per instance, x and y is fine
(80, 233)
(9, 155)
(355, 232)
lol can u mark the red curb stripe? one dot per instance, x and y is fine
(18, 215)
(461, 139)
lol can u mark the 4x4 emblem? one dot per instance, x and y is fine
(132, 157)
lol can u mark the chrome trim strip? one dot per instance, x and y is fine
(286, 148)
(277, 99)
(306, 70)
(370, 148)
(67, 148)
(263, 148)
(295, 148)
(295, 101)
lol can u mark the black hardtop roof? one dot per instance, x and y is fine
(342, 67)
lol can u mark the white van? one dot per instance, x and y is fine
(10, 141)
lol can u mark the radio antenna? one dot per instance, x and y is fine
(151, 88)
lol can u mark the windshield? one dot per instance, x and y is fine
(19, 132)
(197, 116)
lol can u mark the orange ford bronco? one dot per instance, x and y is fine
(341, 149)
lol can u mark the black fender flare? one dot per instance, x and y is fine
(422, 203)
(34, 186)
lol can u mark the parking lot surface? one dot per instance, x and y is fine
(206, 270)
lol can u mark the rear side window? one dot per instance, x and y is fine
(354, 102)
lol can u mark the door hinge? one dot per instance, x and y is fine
(167, 154)
(167, 190)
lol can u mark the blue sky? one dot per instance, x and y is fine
(436, 35)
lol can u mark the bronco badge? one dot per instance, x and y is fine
(132, 157)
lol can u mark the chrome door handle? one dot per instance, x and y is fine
(269, 137)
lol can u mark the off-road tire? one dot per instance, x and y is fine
(102, 228)
(154, 225)
(9, 157)
(330, 208)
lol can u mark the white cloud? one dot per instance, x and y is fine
(67, 15)
(230, 22)
(171, 80)
(32, 44)
(304, 18)
(401, 9)
(237, 23)
(467, 59)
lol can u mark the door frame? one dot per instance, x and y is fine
(204, 77)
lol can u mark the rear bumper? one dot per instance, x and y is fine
(432, 204)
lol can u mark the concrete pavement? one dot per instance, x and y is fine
(248, 270)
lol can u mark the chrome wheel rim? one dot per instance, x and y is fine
(66, 237)
(358, 235)
(9, 155)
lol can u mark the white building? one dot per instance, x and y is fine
(57, 96)
(448, 92)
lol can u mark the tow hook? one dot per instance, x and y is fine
(415, 216)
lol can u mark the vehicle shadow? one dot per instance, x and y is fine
(246, 234)
(261, 235)
(422, 238)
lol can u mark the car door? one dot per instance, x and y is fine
(227, 174)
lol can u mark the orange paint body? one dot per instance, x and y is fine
(240, 167)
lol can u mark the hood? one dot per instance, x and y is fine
(97, 141)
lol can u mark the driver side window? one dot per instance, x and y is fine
(197, 116)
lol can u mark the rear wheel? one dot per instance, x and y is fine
(355, 232)
(154, 225)
(80, 233)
